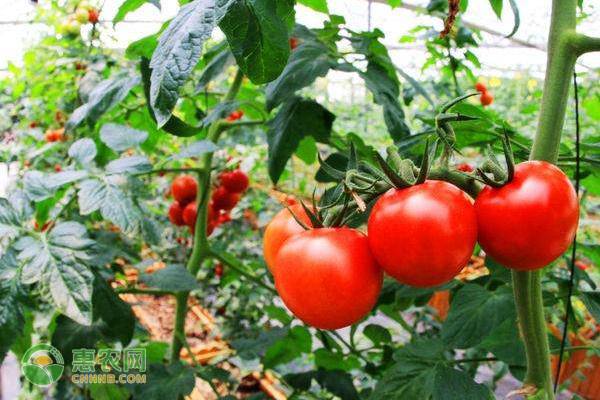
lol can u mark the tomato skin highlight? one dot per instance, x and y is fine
(281, 228)
(176, 214)
(531, 221)
(235, 181)
(423, 235)
(184, 189)
(328, 277)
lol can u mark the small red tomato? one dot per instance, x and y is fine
(486, 99)
(189, 214)
(219, 270)
(529, 222)
(93, 15)
(235, 181)
(176, 214)
(465, 167)
(224, 218)
(223, 199)
(57, 168)
(293, 42)
(184, 189)
(581, 265)
(210, 227)
(328, 277)
(50, 136)
(480, 87)
(235, 115)
(281, 228)
(33, 124)
(423, 235)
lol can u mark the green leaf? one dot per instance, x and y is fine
(129, 165)
(331, 361)
(307, 150)
(592, 303)
(215, 67)
(103, 391)
(165, 382)
(10, 221)
(12, 319)
(452, 384)
(121, 137)
(377, 334)
(474, 313)
(40, 186)
(114, 205)
(83, 150)
(339, 383)
(118, 318)
(317, 5)
(412, 375)
(178, 52)
(132, 5)
(143, 47)
(258, 36)
(297, 341)
(69, 335)
(105, 96)
(504, 342)
(254, 344)
(172, 278)
(497, 7)
(310, 60)
(296, 119)
(278, 313)
(196, 149)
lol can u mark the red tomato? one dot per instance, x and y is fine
(175, 214)
(235, 115)
(184, 189)
(224, 218)
(93, 15)
(465, 167)
(189, 214)
(293, 43)
(33, 124)
(219, 270)
(281, 228)
(486, 98)
(235, 181)
(223, 199)
(57, 168)
(531, 221)
(480, 87)
(423, 235)
(328, 277)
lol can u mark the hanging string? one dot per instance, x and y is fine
(574, 248)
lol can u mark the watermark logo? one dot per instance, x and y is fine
(42, 364)
(116, 366)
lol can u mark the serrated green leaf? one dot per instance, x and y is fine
(258, 36)
(165, 382)
(474, 313)
(296, 119)
(129, 165)
(83, 150)
(105, 96)
(121, 137)
(172, 278)
(215, 67)
(297, 341)
(132, 5)
(178, 51)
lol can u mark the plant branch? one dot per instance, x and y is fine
(237, 266)
(581, 44)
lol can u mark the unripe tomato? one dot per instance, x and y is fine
(184, 189)
(189, 214)
(235, 181)
(423, 235)
(480, 87)
(529, 222)
(328, 277)
(281, 228)
(223, 199)
(176, 214)
(486, 98)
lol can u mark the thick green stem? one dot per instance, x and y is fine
(201, 249)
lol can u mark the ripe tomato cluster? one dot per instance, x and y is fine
(421, 236)
(184, 209)
(486, 97)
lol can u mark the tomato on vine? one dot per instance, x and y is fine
(223, 199)
(281, 228)
(423, 235)
(480, 87)
(189, 214)
(328, 277)
(529, 222)
(93, 15)
(235, 181)
(176, 214)
(184, 189)
(293, 42)
(235, 115)
(465, 167)
(486, 98)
